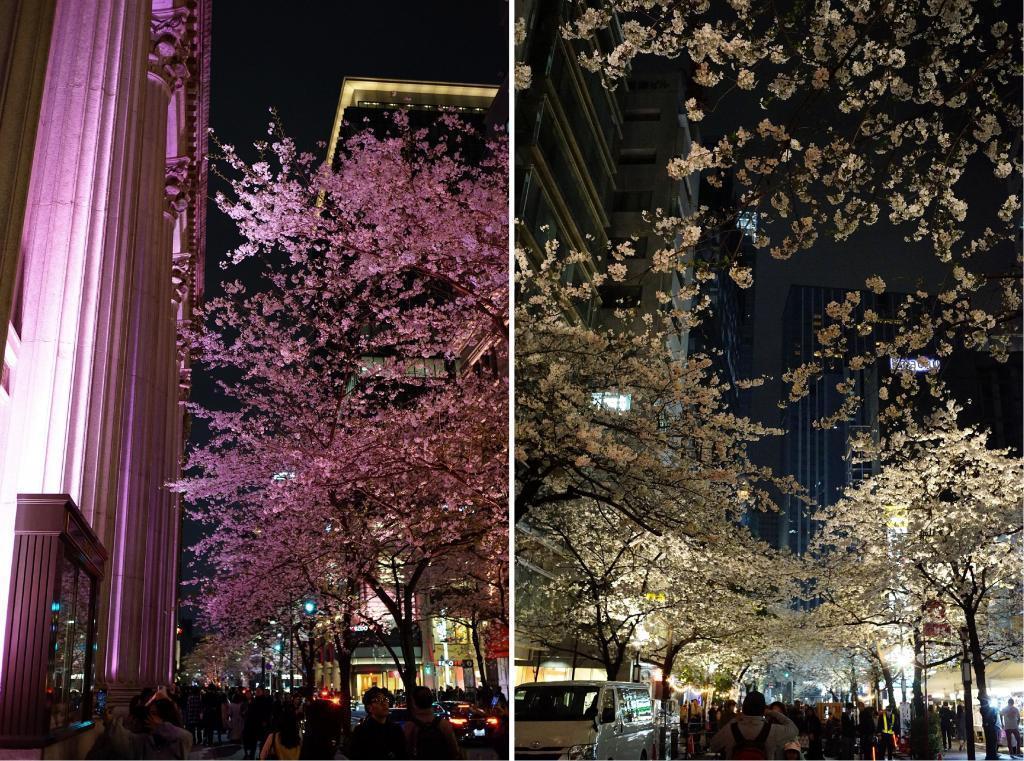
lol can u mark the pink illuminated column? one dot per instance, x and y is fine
(140, 617)
(25, 30)
(75, 213)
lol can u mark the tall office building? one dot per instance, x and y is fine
(991, 394)
(366, 101)
(102, 204)
(725, 333)
(819, 458)
(588, 162)
(443, 648)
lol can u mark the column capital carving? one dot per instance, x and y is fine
(177, 190)
(181, 276)
(169, 51)
(184, 360)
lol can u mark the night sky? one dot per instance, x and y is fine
(293, 57)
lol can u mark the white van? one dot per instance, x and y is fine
(593, 720)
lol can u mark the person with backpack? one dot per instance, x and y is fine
(428, 736)
(756, 733)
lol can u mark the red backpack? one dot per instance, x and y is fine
(755, 749)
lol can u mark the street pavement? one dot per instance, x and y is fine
(948, 755)
(234, 751)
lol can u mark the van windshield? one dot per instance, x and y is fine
(556, 703)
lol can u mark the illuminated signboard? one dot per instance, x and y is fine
(913, 364)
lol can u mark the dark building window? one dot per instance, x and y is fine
(642, 115)
(648, 84)
(618, 295)
(633, 200)
(637, 156)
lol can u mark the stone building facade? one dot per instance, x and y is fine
(103, 113)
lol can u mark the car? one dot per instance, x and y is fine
(358, 713)
(584, 720)
(400, 714)
(469, 722)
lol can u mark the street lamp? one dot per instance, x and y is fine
(965, 666)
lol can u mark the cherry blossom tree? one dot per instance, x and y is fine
(215, 658)
(606, 586)
(478, 600)
(360, 438)
(940, 522)
(836, 117)
(611, 413)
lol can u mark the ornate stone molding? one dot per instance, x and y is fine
(170, 52)
(184, 369)
(181, 277)
(177, 184)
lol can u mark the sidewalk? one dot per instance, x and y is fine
(227, 750)
(953, 755)
(234, 751)
(961, 755)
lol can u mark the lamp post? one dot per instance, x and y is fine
(965, 666)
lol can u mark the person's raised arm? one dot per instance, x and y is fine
(789, 729)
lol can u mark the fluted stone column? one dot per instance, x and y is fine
(76, 209)
(140, 627)
(25, 30)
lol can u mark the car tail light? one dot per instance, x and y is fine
(492, 720)
(457, 722)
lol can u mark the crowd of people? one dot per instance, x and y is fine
(424, 733)
(831, 730)
(169, 723)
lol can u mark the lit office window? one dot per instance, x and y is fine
(612, 400)
(747, 222)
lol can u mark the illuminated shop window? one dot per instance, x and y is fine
(70, 674)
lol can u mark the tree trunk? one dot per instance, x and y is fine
(671, 651)
(343, 657)
(918, 672)
(875, 679)
(307, 653)
(890, 686)
(974, 643)
(408, 657)
(612, 657)
(474, 633)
